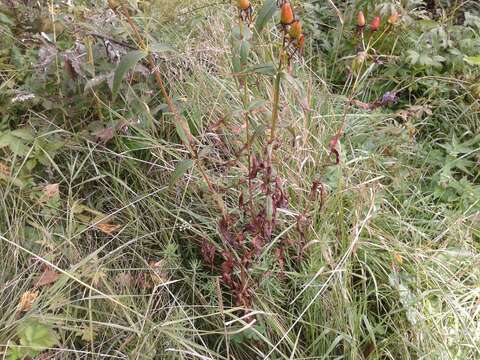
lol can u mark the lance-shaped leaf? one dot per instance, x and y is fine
(265, 14)
(127, 63)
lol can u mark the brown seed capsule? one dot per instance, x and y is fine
(243, 4)
(375, 24)
(361, 19)
(286, 14)
(295, 29)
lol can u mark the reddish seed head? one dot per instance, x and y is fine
(243, 4)
(286, 14)
(375, 24)
(295, 29)
(360, 19)
(301, 42)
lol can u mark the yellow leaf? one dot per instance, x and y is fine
(27, 300)
(108, 229)
(398, 259)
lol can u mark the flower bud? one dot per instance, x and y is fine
(375, 24)
(286, 17)
(361, 19)
(295, 29)
(243, 4)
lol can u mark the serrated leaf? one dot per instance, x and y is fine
(265, 14)
(36, 336)
(15, 144)
(180, 170)
(127, 63)
(472, 60)
(23, 133)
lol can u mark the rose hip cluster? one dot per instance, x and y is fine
(292, 28)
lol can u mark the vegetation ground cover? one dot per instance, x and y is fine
(148, 223)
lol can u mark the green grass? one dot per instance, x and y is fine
(389, 270)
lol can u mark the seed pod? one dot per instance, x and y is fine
(393, 19)
(375, 24)
(286, 14)
(361, 19)
(243, 4)
(295, 29)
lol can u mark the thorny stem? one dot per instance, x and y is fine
(180, 121)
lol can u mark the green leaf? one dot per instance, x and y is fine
(241, 33)
(244, 51)
(265, 14)
(256, 105)
(4, 19)
(16, 144)
(24, 133)
(16, 353)
(127, 63)
(472, 60)
(181, 133)
(36, 336)
(161, 47)
(180, 170)
(264, 69)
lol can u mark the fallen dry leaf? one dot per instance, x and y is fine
(27, 300)
(4, 169)
(49, 192)
(159, 275)
(108, 229)
(124, 280)
(335, 148)
(49, 276)
(105, 135)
